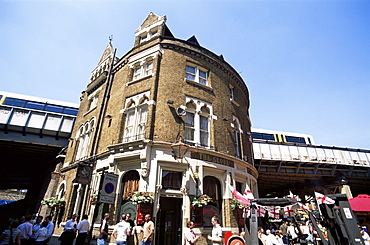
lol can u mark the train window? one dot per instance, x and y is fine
(14, 102)
(295, 139)
(35, 105)
(309, 141)
(54, 108)
(71, 111)
(262, 136)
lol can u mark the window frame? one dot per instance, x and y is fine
(83, 138)
(194, 130)
(137, 126)
(142, 70)
(196, 74)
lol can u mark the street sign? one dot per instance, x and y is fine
(108, 191)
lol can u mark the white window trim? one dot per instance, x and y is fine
(83, 136)
(133, 104)
(91, 98)
(238, 143)
(196, 74)
(143, 66)
(197, 113)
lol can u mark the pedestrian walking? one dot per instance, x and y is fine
(121, 231)
(103, 230)
(83, 229)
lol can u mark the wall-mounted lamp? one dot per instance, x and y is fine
(179, 148)
(170, 102)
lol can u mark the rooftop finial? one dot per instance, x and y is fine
(110, 38)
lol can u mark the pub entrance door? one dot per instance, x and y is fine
(169, 221)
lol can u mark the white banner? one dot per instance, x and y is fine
(108, 191)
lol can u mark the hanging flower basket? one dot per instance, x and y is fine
(54, 203)
(142, 197)
(94, 199)
(201, 201)
(236, 205)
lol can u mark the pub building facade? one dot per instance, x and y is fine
(159, 130)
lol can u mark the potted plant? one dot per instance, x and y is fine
(141, 197)
(201, 201)
(236, 205)
(94, 199)
(53, 202)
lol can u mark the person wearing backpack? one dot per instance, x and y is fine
(11, 235)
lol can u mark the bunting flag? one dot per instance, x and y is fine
(241, 199)
(274, 212)
(248, 193)
(304, 207)
(260, 211)
(246, 212)
(288, 210)
(320, 198)
(291, 195)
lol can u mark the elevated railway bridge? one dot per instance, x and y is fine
(304, 168)
(33, 133)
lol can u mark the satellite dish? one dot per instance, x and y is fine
(181, 112)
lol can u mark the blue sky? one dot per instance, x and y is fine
(306, 62)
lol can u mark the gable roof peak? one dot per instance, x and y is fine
(108, 53)
(194, 40)
(151, 20)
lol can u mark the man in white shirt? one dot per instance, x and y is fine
(216, 237)
(26, 229)
(50, 228)
(270, 238)
(121, 231)
(71, 224)
(69, 233)
(83, 229)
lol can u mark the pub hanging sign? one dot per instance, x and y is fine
(83, 175)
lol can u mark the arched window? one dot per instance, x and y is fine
(197, 122)
(83, 138)
(237, 138)
(212, 187)
(61, 191)
(130, 183)
(136, 117)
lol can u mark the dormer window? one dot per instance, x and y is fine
(196, 74)
(148, 35)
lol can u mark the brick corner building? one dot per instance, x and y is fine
(132, 113)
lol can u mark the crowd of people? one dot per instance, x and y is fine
(287, 233)
(124, 231)
(28, 230)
